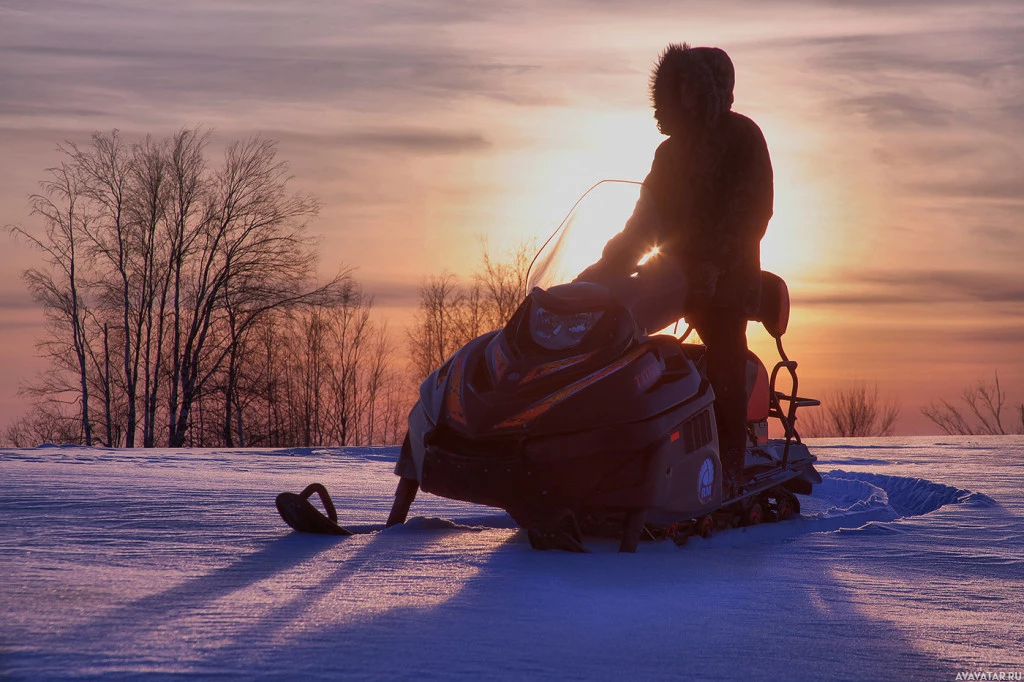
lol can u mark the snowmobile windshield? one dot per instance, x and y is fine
(577, 242)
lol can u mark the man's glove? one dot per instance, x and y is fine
(598, 272)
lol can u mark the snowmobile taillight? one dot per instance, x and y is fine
(559, 331)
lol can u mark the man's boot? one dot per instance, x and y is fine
(733, 477)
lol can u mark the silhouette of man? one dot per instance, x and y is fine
(706, 204)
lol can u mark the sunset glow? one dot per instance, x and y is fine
(428, 130)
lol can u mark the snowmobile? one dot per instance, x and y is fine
(576, 423)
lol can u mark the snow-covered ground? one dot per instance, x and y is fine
(907, 563)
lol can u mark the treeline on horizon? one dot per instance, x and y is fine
(183, 310)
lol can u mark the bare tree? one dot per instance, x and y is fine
(435, 334)
(151, 193)
(107, 170)
(158, 267)
(187, 169)
(49, 422)
(450, 314)
(268, 407)
(320, 374)
(381, 382)
(61, 287)
(504, 281)
(234, 424)
(980, 414)
(853, 411)
(248, 248)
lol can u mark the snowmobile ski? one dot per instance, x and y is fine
(299, 513)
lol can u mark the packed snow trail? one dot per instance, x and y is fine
(907, 561)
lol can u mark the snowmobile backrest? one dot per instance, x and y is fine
(758, 399)
(773, 311)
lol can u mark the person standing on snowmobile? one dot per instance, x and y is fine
(706, 204)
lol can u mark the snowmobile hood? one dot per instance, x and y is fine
(703, 73)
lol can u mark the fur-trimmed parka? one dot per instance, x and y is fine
(708, 198)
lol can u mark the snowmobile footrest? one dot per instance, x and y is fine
(562, 531)
(632, 526)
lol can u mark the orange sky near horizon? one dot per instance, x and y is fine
(894, 134)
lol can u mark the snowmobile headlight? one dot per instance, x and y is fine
(558, 331)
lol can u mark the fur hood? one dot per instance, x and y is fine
(708, 68)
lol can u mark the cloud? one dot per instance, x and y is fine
(897, 287)
(393, 293)
(17, 327)
(899, 108)
(18, 313)
(236, 60)
(940, 90)
(930, 111)
(928, 49)
(407, 139)
(944, 69)
(942, 285)
(996, 333)
(352, 76)
(12, 302)
(1007, 185)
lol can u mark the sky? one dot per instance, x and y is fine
(428, 127)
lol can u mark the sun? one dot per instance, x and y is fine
(567, 152)
(796, 243)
